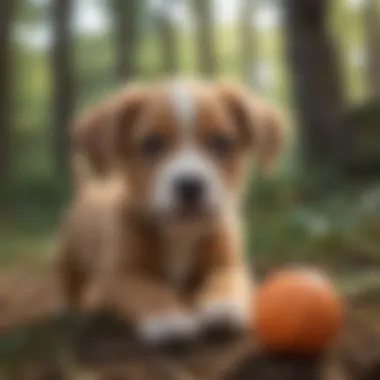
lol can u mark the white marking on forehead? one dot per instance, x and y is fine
(185, 107)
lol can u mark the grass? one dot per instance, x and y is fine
(338, 229)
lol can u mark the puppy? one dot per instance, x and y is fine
(155, 231)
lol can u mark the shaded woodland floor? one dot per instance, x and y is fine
(38, 343)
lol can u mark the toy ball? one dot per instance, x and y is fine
(298, 311)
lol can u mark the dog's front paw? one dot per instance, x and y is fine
(224, 318)
(168, 329)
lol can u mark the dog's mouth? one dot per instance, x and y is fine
(204, 215)
(189, 213)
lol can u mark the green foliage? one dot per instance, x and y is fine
(339, 228)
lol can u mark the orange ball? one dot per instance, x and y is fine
(298, 311)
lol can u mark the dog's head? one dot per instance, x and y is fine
(181, 146)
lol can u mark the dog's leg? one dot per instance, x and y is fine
(107, 262)
(90, 246)
(225, 298)
(153, 307)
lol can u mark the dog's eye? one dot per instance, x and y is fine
(220, 145)
(152, 146)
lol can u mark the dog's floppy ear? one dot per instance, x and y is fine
(89, 138)
(126, 112)
(259, 124)
(94, 135)
(271, 134)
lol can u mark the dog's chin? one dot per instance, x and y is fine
(192, 214)
(188, 218)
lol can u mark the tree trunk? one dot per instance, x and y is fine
(316, 78)
(127, 20)
(6, 10)
(205, 38)
(249, 42)
(372, 21)
(168, 38)
(62, 82)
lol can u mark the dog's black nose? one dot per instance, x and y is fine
(189, 189)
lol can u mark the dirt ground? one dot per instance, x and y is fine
(39, 343)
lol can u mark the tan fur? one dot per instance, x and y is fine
(260, 123)
(92, 135)
(114, 257)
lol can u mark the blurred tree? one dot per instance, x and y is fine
(316, 77)
(205, 30)
(168, 37)
(248, 38)
(372, 26)
(127, 21)
(6, 13)
(63, 103)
